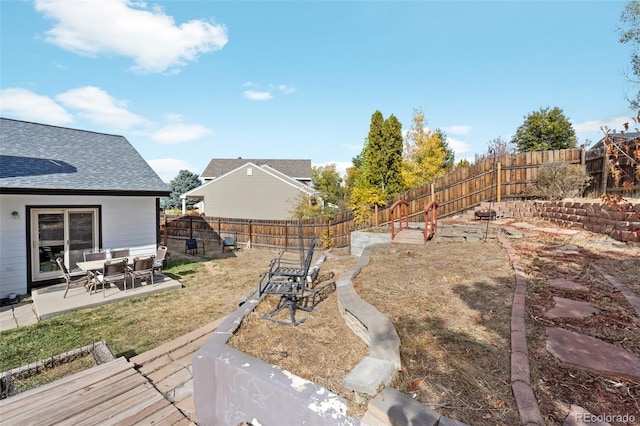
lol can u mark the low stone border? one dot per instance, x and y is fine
(100, 351)
(375, 372)
(633, 300)
(520, 374)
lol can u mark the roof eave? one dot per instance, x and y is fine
(84, 192)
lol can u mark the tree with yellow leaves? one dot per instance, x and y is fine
(427, 155)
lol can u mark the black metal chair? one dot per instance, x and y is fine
(68, 278)
(288, 279)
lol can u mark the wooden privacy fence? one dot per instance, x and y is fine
(503, 178)
(272, 234)
(507, 177)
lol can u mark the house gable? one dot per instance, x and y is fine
(297, 169)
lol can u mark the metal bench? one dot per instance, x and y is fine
(288, 279)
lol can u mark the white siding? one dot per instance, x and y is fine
(126, 222)
(13, 248)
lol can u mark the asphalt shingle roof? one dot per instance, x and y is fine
(297, 169)
(40, 156)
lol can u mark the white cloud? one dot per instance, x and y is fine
(457, 130)
(594, 126)
(98, 106)
(459, 147)
(179, 133)
(256, 95)
(341, 166)
(23, 104)
(168, 168)
(129, 28)
(286, 89)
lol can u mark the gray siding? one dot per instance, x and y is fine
(243, 196)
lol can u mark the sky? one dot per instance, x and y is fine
(191, 80)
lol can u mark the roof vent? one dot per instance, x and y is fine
(249, 171)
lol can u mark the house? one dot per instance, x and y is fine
(623, 152)
(253, 189)
(64, 191)
(616, 138)
(299, 170)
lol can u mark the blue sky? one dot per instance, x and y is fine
(187, 81)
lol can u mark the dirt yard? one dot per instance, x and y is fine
(451, 305)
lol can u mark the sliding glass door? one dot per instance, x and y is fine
(61, 232)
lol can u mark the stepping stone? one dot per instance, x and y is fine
(578, 416)
(565, 284)
(591, 353)
(568, 308)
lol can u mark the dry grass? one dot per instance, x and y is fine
(451, 306)
(322, 349)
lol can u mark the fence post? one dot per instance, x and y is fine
(249, 232)
(433, 191)
(583, 156)
(375, 217)
(286, 236)
(605, 176)
(498, 180)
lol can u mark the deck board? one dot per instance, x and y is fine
(111, 393)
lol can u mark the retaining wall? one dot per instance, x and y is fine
(591, 216)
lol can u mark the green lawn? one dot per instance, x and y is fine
(211, 289)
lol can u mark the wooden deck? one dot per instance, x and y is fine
(111, 393)
(410, 236)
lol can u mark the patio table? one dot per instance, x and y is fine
(92, 266)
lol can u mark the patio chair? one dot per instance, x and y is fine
(142, 269)
(158, 262)
(121, 252)
(68, 278)
(90, 255)
(113, 271)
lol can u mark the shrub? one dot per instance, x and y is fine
(560, 180)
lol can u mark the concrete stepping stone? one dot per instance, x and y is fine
(567, 249)
(591, 353)
(578, 416)
(569, 308)
(565, 284)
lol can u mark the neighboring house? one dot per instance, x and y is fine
(617, 138)
(299, 170)
(64, 191)
(622, 158)
(251, 191)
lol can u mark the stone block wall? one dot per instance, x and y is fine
(591, 216)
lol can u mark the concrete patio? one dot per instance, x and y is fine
(48, 301)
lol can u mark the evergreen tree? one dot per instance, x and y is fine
(379, 173)
(185, 181)
(544, 130)
(381, 158)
